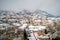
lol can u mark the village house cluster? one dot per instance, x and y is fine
(13, 25)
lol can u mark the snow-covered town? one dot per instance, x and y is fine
(26, 25)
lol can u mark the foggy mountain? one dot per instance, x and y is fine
(26, 12)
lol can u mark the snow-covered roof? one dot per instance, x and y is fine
(2, 28)
(50, 21)
(37, 27)
(37, 20)
(23, 26)
(16, 24)
(4, 24)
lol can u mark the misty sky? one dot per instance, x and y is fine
(51, 6)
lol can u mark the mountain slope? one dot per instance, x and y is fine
(44, 13)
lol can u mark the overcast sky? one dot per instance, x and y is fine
(51, 6)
